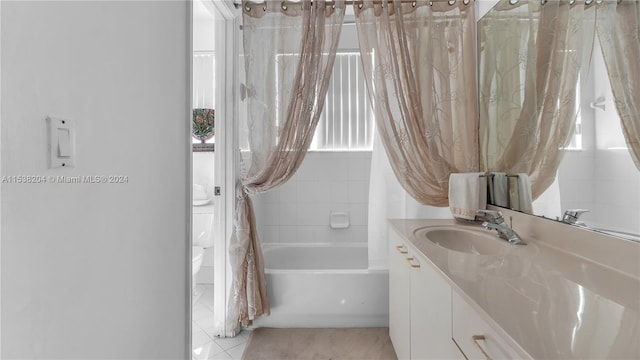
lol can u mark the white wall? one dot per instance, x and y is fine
(203, 28)
(298, 211)
(96, 270)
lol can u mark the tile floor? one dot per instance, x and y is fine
(205, 345)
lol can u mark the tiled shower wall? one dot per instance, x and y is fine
(607, 183)
(298, 211)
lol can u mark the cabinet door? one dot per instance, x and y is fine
(430, 313)
(475, 337)
(399, 297)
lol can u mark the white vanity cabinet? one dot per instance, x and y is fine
(399, 298)
(475, 337)
(419, 306)
(430, 313)
(425, 315)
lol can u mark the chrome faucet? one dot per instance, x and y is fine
(496, 222)
(491, 216)
(571, 216)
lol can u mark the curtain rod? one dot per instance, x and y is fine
(378, 2)
(248, 5)
(238, 3)
(355, 2)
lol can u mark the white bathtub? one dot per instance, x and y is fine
(324, 285)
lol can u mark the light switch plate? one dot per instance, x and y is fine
(61, 142)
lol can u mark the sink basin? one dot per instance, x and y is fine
(469, 241)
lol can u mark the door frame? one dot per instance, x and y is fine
(227, 25)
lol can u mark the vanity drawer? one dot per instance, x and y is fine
(475, 338)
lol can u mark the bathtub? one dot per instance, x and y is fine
(324, 285)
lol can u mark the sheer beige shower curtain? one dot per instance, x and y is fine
(618, 26)
(289, 50)
(528, 101)
(419, 63)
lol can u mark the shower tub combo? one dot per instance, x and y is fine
(324, 285)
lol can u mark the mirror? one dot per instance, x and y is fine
(596, 171)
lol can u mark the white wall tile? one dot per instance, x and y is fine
(358, 214)
(338, 192)
(310, 234)
(358, 192)
(288, 192)
(313, 191)
(359, 168)
(270, 214)
(289, 234)
(573, 191)
(324, 169)
(325, 182)
(269, 233)
(620, 218)
(288, 213)
(316, 214)
(353, 234)
(576, 166)
(323, 191)
(267, 197)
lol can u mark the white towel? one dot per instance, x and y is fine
(467, 194)
(499, 189)
(523, 199)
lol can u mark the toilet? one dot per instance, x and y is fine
(202, 238)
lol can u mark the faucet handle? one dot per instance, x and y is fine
(571, 216)
(494, 215)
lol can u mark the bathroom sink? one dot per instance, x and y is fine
(470, 241)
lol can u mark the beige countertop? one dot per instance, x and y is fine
(552, 303)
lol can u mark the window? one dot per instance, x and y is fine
(347, 120)
(204, 65)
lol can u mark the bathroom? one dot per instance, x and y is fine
(95, 271)
(296, 218)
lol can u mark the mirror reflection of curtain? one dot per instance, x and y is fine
(618, 28)
(531, 58)
(289, 51)
(419, 63)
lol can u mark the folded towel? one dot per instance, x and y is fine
(199, 193)
(467, 194)
(523, 200)
(498, 189)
